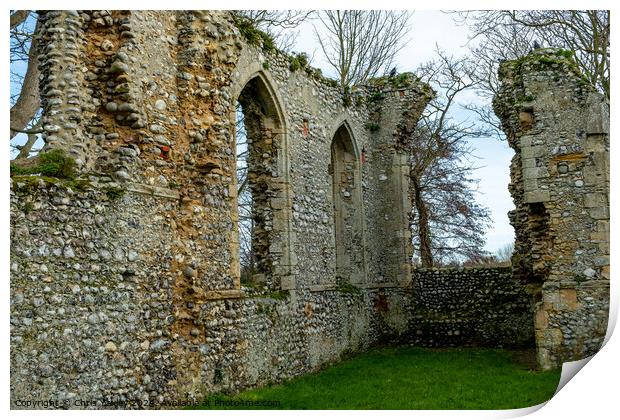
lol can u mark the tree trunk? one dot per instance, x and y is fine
(28, 103)
(18, 17)
(423, 230)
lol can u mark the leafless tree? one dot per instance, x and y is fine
(244, 197)
(361, 44)
(280, 24)
(24, 52)
(25, 121)
(276, 18)
(504, 254)
(487, 260)
(447, 222)
(498, 35)
(509, 34)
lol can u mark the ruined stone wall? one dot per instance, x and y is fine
(125, 282)
(395, 113)
(470, 307)
(558, 126)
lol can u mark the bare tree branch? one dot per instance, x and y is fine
(510, 34)
(29, 131)
(360, 44)
(446, 221)
(28, 102)
(24, 151)
(278, 24)
(18, 17)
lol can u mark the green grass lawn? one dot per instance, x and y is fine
(413, 378)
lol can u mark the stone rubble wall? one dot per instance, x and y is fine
(470, 307)
(558, 126)
(125, 281)
(94, 314)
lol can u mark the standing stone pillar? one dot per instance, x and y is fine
(558, 125)
(61, 84)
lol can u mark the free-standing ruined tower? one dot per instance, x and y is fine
(559, 127)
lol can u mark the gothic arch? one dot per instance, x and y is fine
(268, 184)
(349, 229)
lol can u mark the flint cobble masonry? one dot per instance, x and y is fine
(125, 282)
(558, 126)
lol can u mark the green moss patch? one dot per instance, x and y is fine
(298, 61)
(55, 163)
(253, 35)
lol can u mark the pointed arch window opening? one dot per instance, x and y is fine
(262, 226)
(348, 212)
(245, 221)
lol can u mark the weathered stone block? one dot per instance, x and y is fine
(287, 282)
(525, 141)
(599, 236)
(605, 272)
(602, 226)
(593, 175)
(596, 144)
(544, 359)
(530, 184)
(542, 319)
(568, 298)
(278, 203)
(551, 296)
(600, 213)
(594, 200)
(526, 119)
(552, 337)
(536, 172)
(538, 196)
(533, 152)
(598, 116)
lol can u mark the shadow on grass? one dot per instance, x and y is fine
(409, 378)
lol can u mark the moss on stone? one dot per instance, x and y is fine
(372, 126)
(401, 81)
(375, 97)
(298, 61)
(580, 278)
(566, 54)
(278, 295)
(542, 59)
(114, 193)
(254, 35)
(30, 183)
(346, 97)
(55, 163)
(348, 288)
(28, 207)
